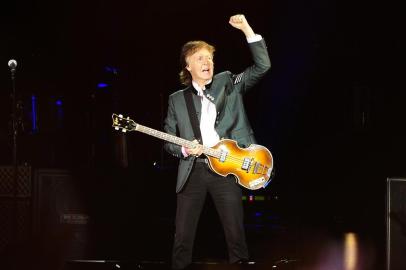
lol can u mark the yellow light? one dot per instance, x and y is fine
(350, 251)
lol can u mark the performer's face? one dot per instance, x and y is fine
(200, 65)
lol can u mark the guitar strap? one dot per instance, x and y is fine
(194, 121)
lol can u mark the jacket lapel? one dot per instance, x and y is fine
(196, 100)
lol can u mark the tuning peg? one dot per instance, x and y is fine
(117, 128)
(120, 115)
(124, 130)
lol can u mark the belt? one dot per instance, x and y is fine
(202, 160)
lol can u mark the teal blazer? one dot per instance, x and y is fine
(226, 92)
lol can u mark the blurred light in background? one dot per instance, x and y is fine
(350, 251)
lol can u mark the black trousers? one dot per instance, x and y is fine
(226, 195)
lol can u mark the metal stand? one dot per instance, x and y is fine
(15, 124)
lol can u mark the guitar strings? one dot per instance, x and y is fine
(238, 161)
(215, 152)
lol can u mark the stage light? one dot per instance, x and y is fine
(350, 251)
(258, 214)
(102, 85)
(111, 69)
(34, 127)
(251, 198)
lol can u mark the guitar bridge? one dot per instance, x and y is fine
(256, 167)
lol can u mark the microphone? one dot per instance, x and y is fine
(12, 64)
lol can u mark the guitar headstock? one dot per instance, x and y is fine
(123, 123)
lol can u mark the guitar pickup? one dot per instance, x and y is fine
(223, 156)
(247, 164)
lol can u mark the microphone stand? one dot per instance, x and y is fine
(14, 154)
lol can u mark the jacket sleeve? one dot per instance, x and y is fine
(170, 127)
(251, 75)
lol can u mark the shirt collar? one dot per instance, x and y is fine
(199, 89)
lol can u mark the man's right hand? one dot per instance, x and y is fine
(197, 150)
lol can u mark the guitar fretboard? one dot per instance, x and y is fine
(176, 140)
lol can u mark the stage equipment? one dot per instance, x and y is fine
(396, 224)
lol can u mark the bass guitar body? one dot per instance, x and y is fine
(251, 166)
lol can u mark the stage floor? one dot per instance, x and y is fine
(276, 240)
(280, 247)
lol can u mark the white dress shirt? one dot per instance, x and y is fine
(207, 119)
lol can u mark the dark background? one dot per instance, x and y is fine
(331, 109)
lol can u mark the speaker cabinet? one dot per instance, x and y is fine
(15, 205)
(396, 224)
(60, 215)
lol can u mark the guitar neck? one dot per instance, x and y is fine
(176, 140)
